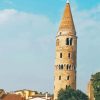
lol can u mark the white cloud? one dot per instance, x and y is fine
(25, 43)
(20, 27)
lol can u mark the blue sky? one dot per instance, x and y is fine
(49, 8)
(27, 42)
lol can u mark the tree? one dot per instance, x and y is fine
(71, 94)
(96, 85)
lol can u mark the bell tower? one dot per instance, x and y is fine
(66, 53)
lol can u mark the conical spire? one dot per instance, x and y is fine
(67, 20)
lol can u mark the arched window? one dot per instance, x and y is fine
(60, 55)
(68, 77)
(66, 86)
(57, 42)
(69, 55)
(59, 77)
(67, 66)
(62, 66)
(67, 41)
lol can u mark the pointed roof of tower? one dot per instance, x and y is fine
(67, 22)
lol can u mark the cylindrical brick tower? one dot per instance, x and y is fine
(66, 53)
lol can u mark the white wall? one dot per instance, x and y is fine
(37, 99)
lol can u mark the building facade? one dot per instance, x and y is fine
(90, 90)
(26, 93)
(12, 97)
(66, 53)
(33, 95)
(93, 89)
(2, 93)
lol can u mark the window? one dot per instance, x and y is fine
(59, 77)
(67, 41)
(57, 42)
(69, 55)
(66, 86)
(61, 66)
(60, 55)
(68, 77)
(67, 66)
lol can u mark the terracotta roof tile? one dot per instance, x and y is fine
(13, 97)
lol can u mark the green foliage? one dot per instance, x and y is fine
(71, 94)
(96, 85)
